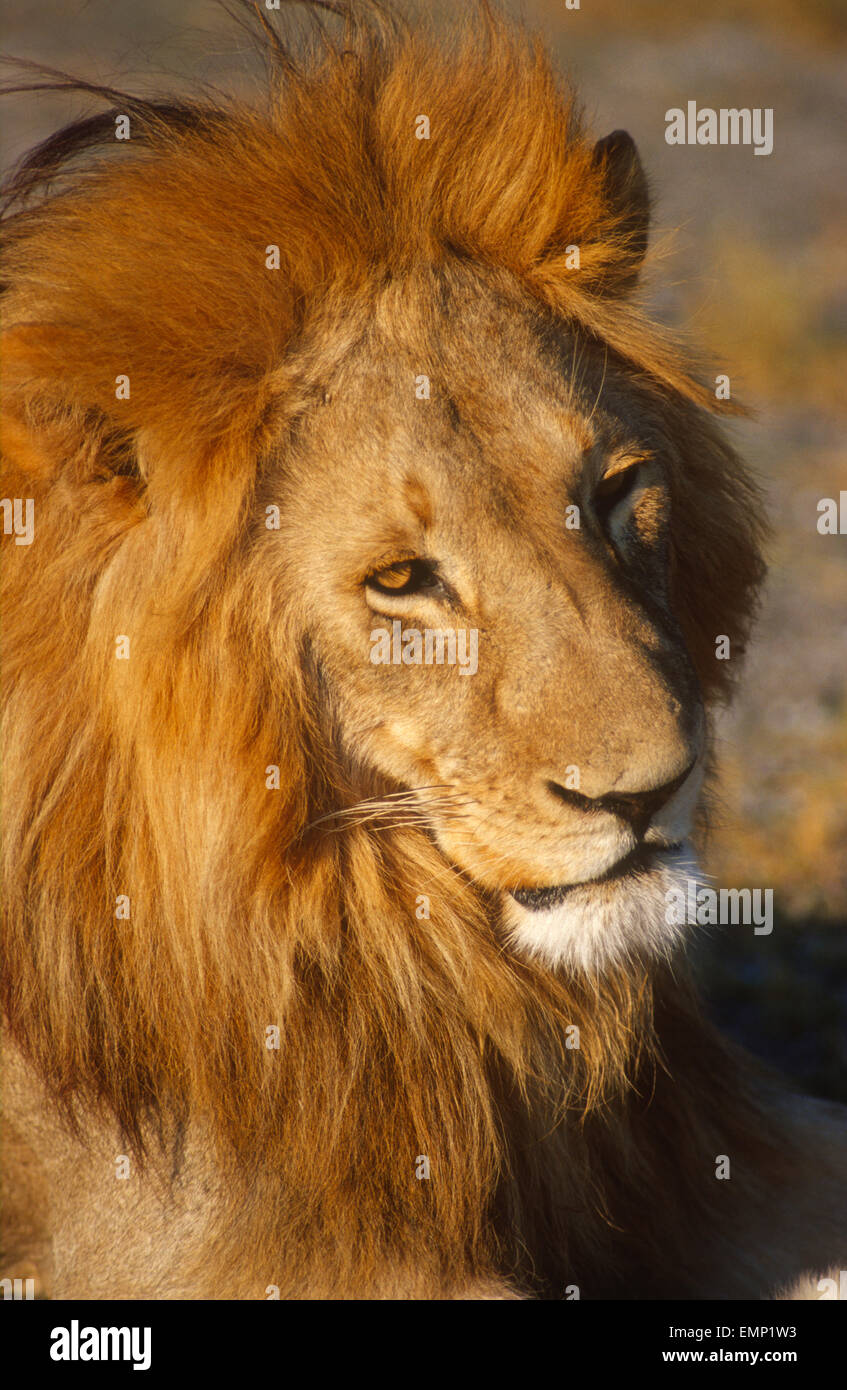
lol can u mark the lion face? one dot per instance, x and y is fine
(483, 548)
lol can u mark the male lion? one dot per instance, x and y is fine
(333, 975)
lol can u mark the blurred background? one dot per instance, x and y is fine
(757, 269)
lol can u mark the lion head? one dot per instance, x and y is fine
(529, 511)
(357, 680)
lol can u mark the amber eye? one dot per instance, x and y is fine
(612, 490)
(404, 577)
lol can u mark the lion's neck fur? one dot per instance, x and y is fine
(398, 1039)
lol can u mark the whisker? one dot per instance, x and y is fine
(415, 823)
(416, 798)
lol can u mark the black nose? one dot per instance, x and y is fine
(637, 808)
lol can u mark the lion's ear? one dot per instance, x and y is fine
(628, 198)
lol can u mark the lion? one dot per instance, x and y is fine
(327, 976)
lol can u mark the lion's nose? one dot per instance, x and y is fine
(637, 808)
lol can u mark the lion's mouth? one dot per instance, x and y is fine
(640, 860)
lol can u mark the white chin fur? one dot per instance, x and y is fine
(600, 924)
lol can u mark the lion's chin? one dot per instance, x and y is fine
(590, 926)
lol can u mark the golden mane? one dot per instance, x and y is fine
(146, 778)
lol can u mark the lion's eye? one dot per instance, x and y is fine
(404, 577)
(612, 490)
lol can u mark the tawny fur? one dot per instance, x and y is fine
(400, 1037)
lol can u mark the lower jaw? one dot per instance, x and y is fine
(590, 927)
(642, 860)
